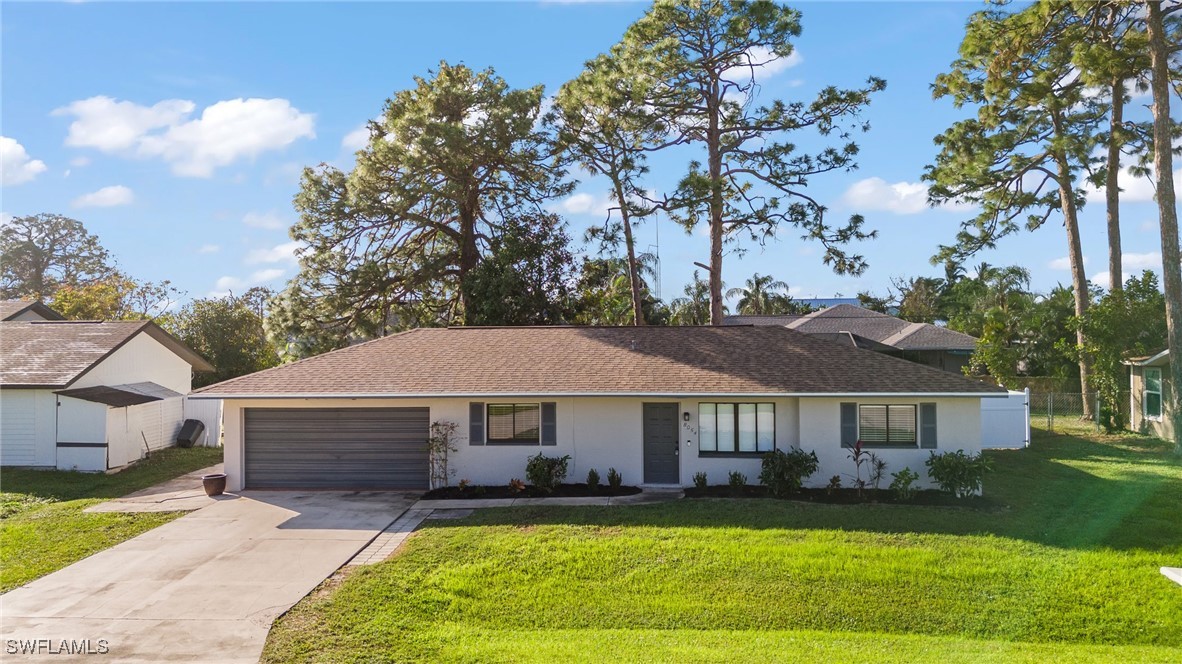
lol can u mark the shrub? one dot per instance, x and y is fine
(516, 485)
(737, 481)
(834, 484)
(877, 470)
(546, 473)
(783, 472)
(613, 478)
(902, 483)
(464, 484)
(593, 479)
(958, 473)
(700, 480)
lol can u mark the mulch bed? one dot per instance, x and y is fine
(846, 496)
(503, 491)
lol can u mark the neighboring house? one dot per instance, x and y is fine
(658, 404)
(924, 343)
(88, 395)
(24, 310)
(1149, 390)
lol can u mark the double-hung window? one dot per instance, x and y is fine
(514, 423)
(1151, 394)
(886, 425)
(736, 428)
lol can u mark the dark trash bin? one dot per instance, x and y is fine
(191, 432)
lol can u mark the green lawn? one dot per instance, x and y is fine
(43, 527)
(1068, 570)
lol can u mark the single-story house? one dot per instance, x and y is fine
(658, 404)
(857, 326)
(1149, 395)
(90, 395)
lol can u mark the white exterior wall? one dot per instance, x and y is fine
(143, 359)
(81, 422)
(28, 424)
(1005, 423)
(958, 427)
(209, 413)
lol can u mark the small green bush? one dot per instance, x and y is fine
(593, 479)
(737, 480)
(783, 472)
(902, 483)
(958, 473)
(613, 478)
(834, 484)
(700, 480)
(546, 473)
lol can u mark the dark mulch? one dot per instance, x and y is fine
(846, 496)
(503, 491)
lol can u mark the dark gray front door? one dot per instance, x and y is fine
(660, 443)
(336, 448)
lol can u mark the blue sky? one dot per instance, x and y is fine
(176, 132)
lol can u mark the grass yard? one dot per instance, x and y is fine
(43, 527)
(1067, 571)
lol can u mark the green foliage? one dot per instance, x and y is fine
(546, 473)
(902, 484)
(42, 253)
(593, 479)
(614, 480)
(736, 480)
(227, 332)
(114, 297)
(694, 307)
(958, 473)
(604, 294)
(528, 277)
(783, 472)
(834, 484)
(700, 480)
(763, 295)
(695, 64)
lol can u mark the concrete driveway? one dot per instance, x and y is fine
(203, 588)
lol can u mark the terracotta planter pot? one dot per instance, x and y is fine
(215, 485)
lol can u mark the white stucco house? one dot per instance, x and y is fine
(88, 395)
(658, 404)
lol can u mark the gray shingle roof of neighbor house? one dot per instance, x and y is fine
(10, 309)
(54, 354)
(598, 360)
(868, 324)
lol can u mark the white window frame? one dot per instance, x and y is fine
(1145, 392)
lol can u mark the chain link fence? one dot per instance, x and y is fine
(1065, 410)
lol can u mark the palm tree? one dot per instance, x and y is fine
(762, 296)
(694, 308)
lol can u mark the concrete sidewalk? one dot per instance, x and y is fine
(203, 588)
(182, 494)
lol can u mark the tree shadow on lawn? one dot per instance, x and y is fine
(1127, 499)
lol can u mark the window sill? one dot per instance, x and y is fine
(513, 443)
(731, 455)
(887, 446)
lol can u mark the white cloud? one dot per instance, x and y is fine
(1133, 189)
(106, 197)
(268, 220)
(585, 203)
(761, 63)
(231, 284)
(225, 132)
(288, 251)
(875, 193)
(356, 139)
(1063, 263)
(16, 166)
(269, 274)
(1148, 226)
(209, 249)
(79, 162)
(5, 218)
(1132, 265)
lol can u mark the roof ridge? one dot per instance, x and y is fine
(909, 329)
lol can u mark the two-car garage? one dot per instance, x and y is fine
(336, 448)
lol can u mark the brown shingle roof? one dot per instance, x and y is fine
(10, 309)
(53, 354)
(599, 360)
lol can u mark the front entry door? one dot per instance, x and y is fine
(661, 444)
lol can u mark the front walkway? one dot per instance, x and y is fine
(203, 588)
(181, 494)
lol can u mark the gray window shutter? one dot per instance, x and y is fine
(849, 424)
(927, 425)
(476, 423)
(549, 423)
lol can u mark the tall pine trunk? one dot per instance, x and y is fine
(1079, 280)
(1112, 188)
(1163, 172)
(714, 153)
(633, 268)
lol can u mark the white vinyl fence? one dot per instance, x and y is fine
(209, 411)
(1005, 423)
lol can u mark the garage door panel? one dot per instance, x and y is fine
(337, 448)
